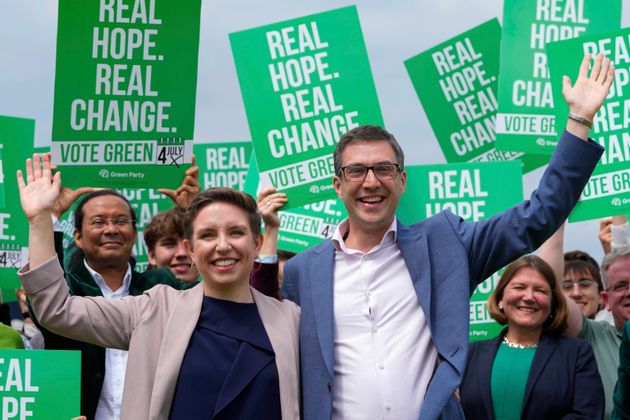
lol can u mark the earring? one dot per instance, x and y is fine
(500, 306)
(256, 267)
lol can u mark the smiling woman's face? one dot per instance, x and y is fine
(527, 300)
(223, 246)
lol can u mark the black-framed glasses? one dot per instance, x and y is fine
(382, 171)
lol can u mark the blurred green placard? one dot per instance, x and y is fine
(456, 82)
(1, 179)
(473, 191)
(40, 384)
(305, 82)
(125, 85)
(526, 120)
(16, 137)
(223, 164)
(608, 191)
(301, 227)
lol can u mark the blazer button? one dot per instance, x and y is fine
(329, 386)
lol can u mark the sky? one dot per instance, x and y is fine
(394, 31)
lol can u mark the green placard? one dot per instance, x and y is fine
(223, 164)
(125, 84)
(473, 191)
(526, 118)
(608, 191)
(456, 81)
(146, 203)
(305, 82)
(1, 180)
(301, 227)
(16, 137)
(40, 384)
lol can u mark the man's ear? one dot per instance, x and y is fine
(337, 185)
(603, 297)
(77, 238)
(152, 259)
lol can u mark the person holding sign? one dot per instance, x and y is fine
(530, 371)
(385, 306)
(219, 347)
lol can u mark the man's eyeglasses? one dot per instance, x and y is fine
(100, 222)
(621, 287)
(382, 171)
(582, 284)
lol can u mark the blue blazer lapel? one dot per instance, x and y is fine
(322, 267)
(415, 252)
(546, 348)
(487, 353)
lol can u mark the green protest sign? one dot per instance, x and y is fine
(1, 180)
(473, 191)
(125, 85)
(223, 164)
(608, 191)
(40, 384)
(456, 82)
(146, 203)
(304, 82)
(16, 137)
(526, 119)
(301, 227)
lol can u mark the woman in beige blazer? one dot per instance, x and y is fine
(219, 348)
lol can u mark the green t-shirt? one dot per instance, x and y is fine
(605, 340)
(10, 338)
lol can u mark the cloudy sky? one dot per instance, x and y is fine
(394, 31)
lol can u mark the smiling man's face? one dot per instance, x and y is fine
(371, 203)
(107, 235)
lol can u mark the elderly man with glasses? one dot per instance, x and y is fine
(604, 337)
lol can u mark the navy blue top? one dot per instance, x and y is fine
(229, 369)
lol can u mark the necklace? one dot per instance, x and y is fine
(518, 346)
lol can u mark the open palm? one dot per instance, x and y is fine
(588, 93)
(41, 189)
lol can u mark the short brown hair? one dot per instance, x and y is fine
(556, 324)
(366, 133)
(168, 223)
(237, 198)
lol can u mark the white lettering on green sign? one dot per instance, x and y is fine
(4, 226)
(123, 80)
(456, 186)
(315, 118)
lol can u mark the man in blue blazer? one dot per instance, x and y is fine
(385, 307)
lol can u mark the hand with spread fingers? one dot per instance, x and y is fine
(40, 191)
(587, 95)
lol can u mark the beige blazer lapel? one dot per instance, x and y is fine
(177, 333)
(281, 325)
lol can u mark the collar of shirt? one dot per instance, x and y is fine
(107, 292)
(342, 230)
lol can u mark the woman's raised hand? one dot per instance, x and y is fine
(41, 189)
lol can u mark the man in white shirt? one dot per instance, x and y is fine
(384, 324)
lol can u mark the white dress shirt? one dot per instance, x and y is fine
(384, 355)
(108, 407)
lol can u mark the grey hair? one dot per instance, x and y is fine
(609, 259)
